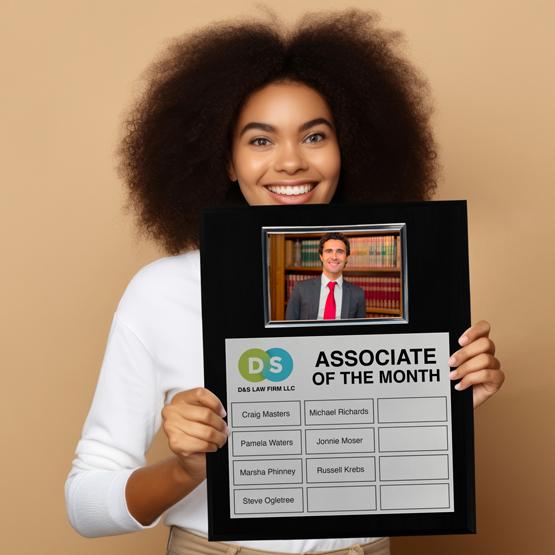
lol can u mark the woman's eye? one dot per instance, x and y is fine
(315, 138)
(260, 141)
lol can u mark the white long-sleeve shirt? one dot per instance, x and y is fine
(154, 350)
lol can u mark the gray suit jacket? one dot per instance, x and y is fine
(304, 301)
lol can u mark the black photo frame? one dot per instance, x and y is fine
(234, 271)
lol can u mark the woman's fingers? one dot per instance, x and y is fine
(477, 347)
(201, 432)
(187, 438)
(484, 384)
(194, 413)
(476, 364)
(202, 397)
(185, 445)
(479, 329)
(479, 361)
(193, 422)
(490, 378)
(470, 371)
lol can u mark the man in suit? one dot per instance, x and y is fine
(329, 296)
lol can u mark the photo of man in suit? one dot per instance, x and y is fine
(328, 296)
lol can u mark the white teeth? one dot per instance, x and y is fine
(291, 189)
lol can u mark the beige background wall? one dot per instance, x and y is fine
(69, 69)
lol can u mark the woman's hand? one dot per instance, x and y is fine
(194, 424)
(476, 363)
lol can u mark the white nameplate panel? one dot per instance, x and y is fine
(339, 425)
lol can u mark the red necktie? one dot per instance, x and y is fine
(329, 309)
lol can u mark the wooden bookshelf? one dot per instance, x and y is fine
(285, 269)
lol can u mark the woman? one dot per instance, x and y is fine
(237, 113)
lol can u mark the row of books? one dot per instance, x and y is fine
(379, 292)
(374, 251)
(302, 253)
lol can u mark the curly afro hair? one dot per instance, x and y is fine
(176, 149)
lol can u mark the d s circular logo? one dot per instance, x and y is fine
(256, 365)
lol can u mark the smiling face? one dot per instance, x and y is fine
(334, 258)
(284, 148)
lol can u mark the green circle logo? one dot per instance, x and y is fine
(252, 364)
(274, 364)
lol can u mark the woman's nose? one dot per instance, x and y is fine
(290, 159)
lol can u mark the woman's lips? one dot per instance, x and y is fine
(291, 190)
(298, 193)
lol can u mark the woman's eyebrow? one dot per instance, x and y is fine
(271, 129)
(257, 125)
(315, 121)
